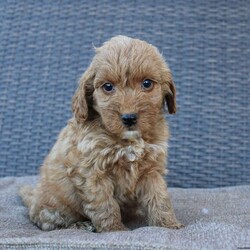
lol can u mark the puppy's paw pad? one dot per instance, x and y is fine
(83, 225)
(176, 226)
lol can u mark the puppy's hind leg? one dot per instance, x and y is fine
(47, 216)
(50, 219)
(44, 215)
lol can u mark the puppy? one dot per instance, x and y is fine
(109, 161)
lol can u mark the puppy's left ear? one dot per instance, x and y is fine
(170, 95)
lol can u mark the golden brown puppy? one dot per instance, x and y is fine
(110, 159)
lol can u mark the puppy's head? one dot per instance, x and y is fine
(128, 84)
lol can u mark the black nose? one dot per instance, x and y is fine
(129, 119)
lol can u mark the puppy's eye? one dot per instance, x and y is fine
(147, 84)
(108, 87)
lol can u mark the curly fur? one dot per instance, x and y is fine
(99, 170)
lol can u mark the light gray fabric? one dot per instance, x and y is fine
(214, 219)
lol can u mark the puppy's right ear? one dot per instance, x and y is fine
(83, 99)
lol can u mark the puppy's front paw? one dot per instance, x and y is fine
(83, 225)
(168, 223)
(176, 225)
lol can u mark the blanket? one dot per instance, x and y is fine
(214, 219)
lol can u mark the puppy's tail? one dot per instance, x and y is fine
(26, 192)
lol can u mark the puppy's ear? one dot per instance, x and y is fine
(170, 94)
(82, 102)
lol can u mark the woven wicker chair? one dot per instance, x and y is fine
(46, 45)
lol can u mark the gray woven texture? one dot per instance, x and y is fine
(46, 45)
(208, 224)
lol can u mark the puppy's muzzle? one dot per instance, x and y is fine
(129, 119)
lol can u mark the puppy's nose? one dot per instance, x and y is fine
(129, 119)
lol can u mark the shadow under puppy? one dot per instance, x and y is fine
(109, 161)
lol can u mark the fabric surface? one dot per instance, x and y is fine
(214, 219)
(46, 45)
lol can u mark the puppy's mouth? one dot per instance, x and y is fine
(131, 135)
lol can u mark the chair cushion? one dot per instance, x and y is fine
(214, 218)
